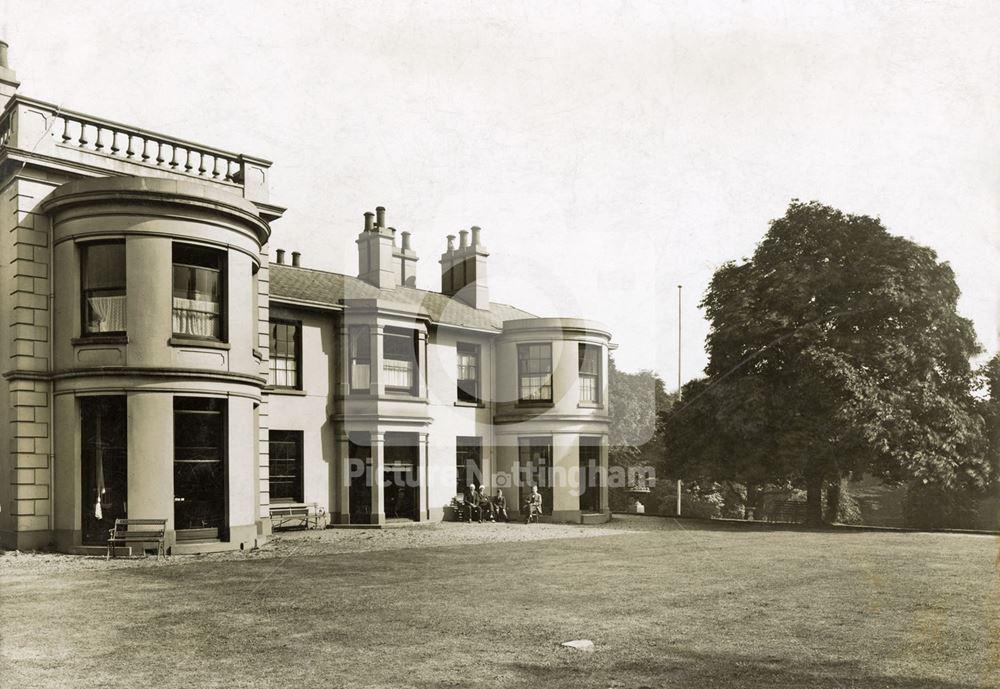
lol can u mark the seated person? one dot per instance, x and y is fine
(471, 503)
(500, 506)
(533, 505)
(484, 503)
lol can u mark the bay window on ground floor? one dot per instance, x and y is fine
(535, 459)
(199, 468)
(104, 465)
(590, 473)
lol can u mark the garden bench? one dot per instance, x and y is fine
(304, 514)
(128, 531)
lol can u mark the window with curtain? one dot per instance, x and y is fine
(468, 373)
(102, 267)
(590, 373)
(360, 343)
(286, 354)
(399, 365)
(199, 276)
(534, 370)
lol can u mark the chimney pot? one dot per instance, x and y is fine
(3, 54)
(451, 243)
(475, 235)
(280, 256)
(380, 217)
(463, 239)
(369, 219)
(406, 240)
(295, 259)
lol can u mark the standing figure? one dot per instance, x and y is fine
(533, 505)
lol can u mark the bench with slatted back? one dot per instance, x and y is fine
(305, 514)
(128, 531)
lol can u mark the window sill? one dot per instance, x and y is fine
(476, 405)
(100, 339)
(402, 397)
(590, 405)
(195, 342)
(535, 403)
(294, 392)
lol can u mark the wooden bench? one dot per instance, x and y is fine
(307, 514)
(128, 531)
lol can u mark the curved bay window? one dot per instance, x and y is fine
(102, 269)
(534, 372)
(199, 307)
(590, 374)
(199, 467)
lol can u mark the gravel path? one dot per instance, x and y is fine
(333, 541)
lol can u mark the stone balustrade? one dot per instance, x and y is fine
(37, 128)
(111, 139)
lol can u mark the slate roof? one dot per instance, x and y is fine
(330, 289)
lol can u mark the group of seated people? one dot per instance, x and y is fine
(476, 503)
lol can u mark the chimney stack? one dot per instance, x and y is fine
(8, 79)
(295, 259)
(279, 257)
(463, 270)
(380, 262)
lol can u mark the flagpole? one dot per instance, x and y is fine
(679, 290)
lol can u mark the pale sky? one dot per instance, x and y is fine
(609, 151)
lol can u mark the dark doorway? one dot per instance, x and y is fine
(199, 468)
(590, 477)
(401, 482)
(359, 453)
(535, 456)
(104, 465)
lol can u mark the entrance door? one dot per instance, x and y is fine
(199, 468)
(359, 452)
(400, 477)
(590, 477)
(103, 465)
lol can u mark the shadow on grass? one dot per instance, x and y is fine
(683, 668)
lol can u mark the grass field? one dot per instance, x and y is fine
(668, 604)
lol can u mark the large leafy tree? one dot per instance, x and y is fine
(637, 401)
(836, 348)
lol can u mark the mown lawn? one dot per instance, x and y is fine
(685, 605)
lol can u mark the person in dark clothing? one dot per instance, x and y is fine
(485, 504)
(471, 502)
(500, 506)
(533, 505)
